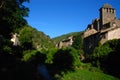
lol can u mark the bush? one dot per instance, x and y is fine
(34, 57)
(107, 56)
(66, 58)
(49, 55)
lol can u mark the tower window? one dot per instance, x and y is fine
(112, 11)
(107, 10)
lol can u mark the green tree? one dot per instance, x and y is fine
(101, 51)
(49, 54)
(111, 64)
(67, 59)
(12, 13)
(78, 42)
(107, 57)
(33, 56)
(30, 38)
(26, 38)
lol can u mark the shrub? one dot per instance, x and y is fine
(49, 55)
(67, 58)
(34, 56)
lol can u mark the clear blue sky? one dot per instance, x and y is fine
(58, 17)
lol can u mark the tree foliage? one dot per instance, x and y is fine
(111, 64)
(34, 56)
(67, 58)
(30, 38)
(107, 56)
(26, 38)
(50, 55)
(12, 13)
(78, 42)
(101, 51)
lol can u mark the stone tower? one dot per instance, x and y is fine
(102, 29)
(107, 14)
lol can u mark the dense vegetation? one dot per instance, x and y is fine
(37, 39)
(12, 14)
(36, 50)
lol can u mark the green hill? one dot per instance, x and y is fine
(65, 36)
(38, 39)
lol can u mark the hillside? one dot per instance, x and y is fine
(65, 36)
(41, 40)
(37, 38)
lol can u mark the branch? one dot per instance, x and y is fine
(1, 4)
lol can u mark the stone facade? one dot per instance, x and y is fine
(102, 29)
(65, 42)
(15, 39)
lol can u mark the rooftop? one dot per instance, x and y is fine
(107, 6)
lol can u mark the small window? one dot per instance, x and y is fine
(107, 9)
(104, 36)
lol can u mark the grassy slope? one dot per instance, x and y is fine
(87, 75)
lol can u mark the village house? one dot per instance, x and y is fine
(65, 42)
(102, 29)
(15, 39)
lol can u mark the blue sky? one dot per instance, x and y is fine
(58, 17)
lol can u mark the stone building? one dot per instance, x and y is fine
(15, 39)
(65, 42)
(102, 29)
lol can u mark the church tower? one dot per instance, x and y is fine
(107, 14)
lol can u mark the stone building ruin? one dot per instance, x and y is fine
(15, 39)
(102, 29)
(65, 42)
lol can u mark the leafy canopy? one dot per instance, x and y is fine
(12, 13)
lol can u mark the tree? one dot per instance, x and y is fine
(26, 38)
(49, 55)
(102, 51)
(111, 63)
(78, 44)
(66, 59)
(12, 13)
(107, 57)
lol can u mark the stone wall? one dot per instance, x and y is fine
(15, 39)
(65, 42)
(91, 42)
(114, 34)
